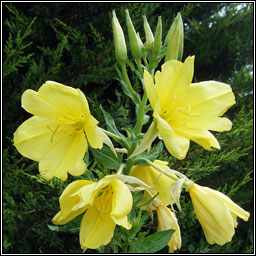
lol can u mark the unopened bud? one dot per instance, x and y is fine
(158, 36)
(134, 42)
(148, 32)
(119, 41)
(174, 40)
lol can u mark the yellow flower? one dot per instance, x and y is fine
(105, 203)
(151, 177)
(185, 111)
(216, 213)
(167, 220)
(56, 136)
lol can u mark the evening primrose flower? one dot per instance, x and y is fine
(167, 220)
(153, 178)
(56, 136)
(216, 213)
(106, 203)
(185, 111)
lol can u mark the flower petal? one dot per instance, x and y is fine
(152, 177)
(121, 203)
(234, 208)
(68, 201)
(66, 156)
(167, 220)
(34, 137)
(173, 80)
(175, 143)
(97, 229)
(201, 137)
(55, 100)
(94, 137)
(208, 101)
(150, 89)
(213, 215)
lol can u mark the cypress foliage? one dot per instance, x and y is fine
(72, 43)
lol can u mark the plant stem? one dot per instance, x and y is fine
(134, 94)
(141, 114)
(139, 67)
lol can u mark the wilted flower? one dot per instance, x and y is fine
(106, 203)
(167, 220)
(56, 136)
(185, 111)
(216, 213)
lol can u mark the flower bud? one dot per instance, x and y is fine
(119, 41)
(158, 36)
(174, 40)
(134, 42)
(148, 32)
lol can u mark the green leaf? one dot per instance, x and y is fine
(110, 122)
(151, 156)
(124, 85)
(107, 158)
(151, 243)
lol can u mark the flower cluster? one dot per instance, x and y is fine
(61, 128)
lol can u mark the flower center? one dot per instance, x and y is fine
(179, 112)
(103, 201)
(64, 129)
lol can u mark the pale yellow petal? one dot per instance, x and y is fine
(176, 143)
(174, 80)
(234, 208)
(185, 77)
(68, 200)
(121, 203)
(55, 100)
(213, 215)
(66, 156)
(97, 229)
(201, 137)
(152, 177)
(34, 137)
(68, 197)
(150, 89)
(86, 194)
(39, 106)
(95, 139)
(208, 101)
(211, 97)
(167, 220)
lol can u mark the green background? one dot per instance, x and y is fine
(72, 43)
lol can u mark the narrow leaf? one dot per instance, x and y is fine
(107, 158)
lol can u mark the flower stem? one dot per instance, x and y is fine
(141, 114)
(127, 80)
